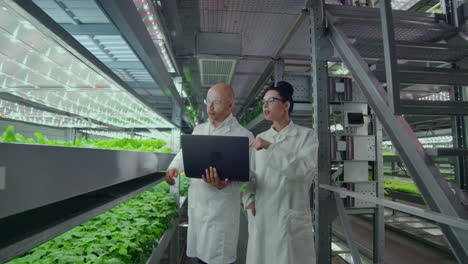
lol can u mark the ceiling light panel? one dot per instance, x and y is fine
(37, 65)
(15, 111)
(441, 96)
(115, 108)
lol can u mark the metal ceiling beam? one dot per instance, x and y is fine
(125, 65)
(91, 29)
(145, 85)
(126, 18)
(183, 21)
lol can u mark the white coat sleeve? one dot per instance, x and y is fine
(249, 194)
(296, 163)
(178, 161)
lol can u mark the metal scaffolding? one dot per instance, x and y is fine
(339, 25)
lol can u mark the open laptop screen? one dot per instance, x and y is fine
(229, 155)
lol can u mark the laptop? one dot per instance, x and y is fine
(229, 155)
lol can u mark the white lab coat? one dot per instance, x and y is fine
(281, 231)
(213, 214)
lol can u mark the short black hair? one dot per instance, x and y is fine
(286, 91)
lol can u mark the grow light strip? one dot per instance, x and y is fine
(428, 140)
(149, 17)
(441, 96)
(112, 134)
(156, 134)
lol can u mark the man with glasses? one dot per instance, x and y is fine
(214, 205)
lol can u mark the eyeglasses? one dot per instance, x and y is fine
(215, 102)
(271, 100)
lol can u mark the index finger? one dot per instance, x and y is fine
(215, 176)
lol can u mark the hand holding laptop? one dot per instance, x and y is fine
(211, 177)
(170, 174)
(228, 154)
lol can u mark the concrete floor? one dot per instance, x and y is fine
(398, 248)
(241, 248)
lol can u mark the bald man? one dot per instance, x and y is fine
(214, 205)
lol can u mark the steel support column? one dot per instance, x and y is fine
(379, 223)
(324, 204)
(393, 85)
(459, 133)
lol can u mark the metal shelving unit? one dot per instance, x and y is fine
(411, 37)
(48, 190)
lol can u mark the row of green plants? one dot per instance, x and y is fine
(147, 145)
(125, 234)
(256, 110)
(406, 186)
(401, 185)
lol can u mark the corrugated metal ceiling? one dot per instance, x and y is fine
(262, 25)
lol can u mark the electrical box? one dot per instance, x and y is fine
(364, 148)
(341, 145)
(355, 148)
(355, 171)
(339, 87)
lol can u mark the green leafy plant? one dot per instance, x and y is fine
(406, 186)
(435, 11)
(193, 114)
(243, 187)
(184, 185)
(256, 110)
(147, 145)
(9, 135)
(125, 234)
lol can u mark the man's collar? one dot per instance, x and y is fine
(226, 122)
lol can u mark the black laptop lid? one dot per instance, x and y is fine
(229, 155)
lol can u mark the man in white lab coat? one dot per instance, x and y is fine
(214, 205)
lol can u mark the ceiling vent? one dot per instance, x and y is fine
(216, 70)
